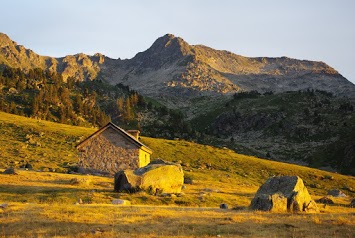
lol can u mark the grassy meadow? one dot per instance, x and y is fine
(98, 220)
(44, 204)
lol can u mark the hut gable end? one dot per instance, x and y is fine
(110, 150)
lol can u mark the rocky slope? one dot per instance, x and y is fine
(173, 71)
(313, 128)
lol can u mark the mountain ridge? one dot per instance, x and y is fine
(174, 71)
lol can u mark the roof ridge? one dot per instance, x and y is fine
(120, 130)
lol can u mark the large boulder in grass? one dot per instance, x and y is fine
(157, 177)
(283, 193)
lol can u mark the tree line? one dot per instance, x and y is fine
(45, 95)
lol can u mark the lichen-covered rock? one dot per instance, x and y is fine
(283, 193)
(162, 177)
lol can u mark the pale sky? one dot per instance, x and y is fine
(321, 30)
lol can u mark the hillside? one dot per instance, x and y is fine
(42, 204)
(222, 173)
(43, 144)
(44, 95)
(312, 128)
(174, 72)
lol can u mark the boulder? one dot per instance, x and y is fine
(156, 178)
(80, 181)
(9, 171)
(120, 202)
(223, 206)
(336, 193)
(80, 201)
(276, 202)
(325, 200)
(126, 180)
(188, 181)
(352, 203)
(283, 193)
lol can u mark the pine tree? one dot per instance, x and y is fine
(62, 114)
(133, 99)
(120, 104)
(128, 113)
(35, 106)
(78, 104)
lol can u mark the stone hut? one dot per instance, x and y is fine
(112, 149)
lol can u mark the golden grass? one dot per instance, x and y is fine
(41, 204)
(43, 220)
(57, 188)
(52, 144)
(45, 187)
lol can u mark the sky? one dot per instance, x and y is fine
(320, 30)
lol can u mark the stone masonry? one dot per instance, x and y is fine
(110, 151)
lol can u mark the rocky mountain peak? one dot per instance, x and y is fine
(170, 43)
(165, 49)
(168, 36)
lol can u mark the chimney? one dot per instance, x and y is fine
(134, 133)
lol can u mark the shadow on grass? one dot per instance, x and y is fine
(52, 194)
(15, 189)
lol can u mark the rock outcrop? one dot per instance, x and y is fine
(283, 193)
(156, 178)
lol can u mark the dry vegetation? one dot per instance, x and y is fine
(44, 220)
(42, 204)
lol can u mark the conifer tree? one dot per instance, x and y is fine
(35, 106)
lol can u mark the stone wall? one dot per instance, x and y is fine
(108, 152)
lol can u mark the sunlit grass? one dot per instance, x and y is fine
(51, 144)
(42, 204)
(33, 220)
